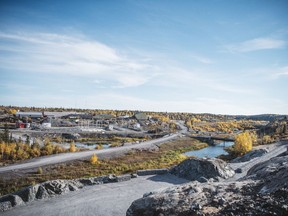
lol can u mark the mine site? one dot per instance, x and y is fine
(81, 163)
(143, 108)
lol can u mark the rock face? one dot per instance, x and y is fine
(264, 191)
(201, 169)
(273, 174)
(250, 155)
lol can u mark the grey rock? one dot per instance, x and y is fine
(272, 173)
(202, 179)
(250, 155)
(5, 205)
(196, 206)
(86, 181)
(123, 178)
(42, 193)
(28, 194)
(9, 201)
(239, 170)
(152, 172)
(56, 187)
(197, 169)
(221, 201)
(263, 192)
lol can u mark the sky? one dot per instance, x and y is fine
(201, 56)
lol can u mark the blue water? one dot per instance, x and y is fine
(210, 151)
(84, 145)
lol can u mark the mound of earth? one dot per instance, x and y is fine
(264, 191)
(203, 169)
(250, 155)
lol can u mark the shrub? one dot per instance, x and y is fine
(93, 159)
(243, 143)
(72, 147)
(40, 170)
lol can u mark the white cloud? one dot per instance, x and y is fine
(256, 44)
(282, 71)
(77, 56)
(202, 59)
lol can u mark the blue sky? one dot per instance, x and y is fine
(216, 56)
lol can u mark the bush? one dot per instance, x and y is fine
(40, 170)
(93, 159)
(72, 147)
(243, 143)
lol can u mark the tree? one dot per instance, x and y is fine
(35, 144)
(93, 159)
(27, 141)
(72, 147)
(5, 135)
(243, 143)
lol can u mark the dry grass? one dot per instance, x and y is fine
(168, 154)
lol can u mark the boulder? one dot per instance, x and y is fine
(5, 205)
(152, 172)
(42, 193)
(201, 169)
(9, 201)
(56, 187)
(123, 178)
(250, 155)
(28, 194)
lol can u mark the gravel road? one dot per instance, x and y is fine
(101, 200)
(274, 150)
(103, 153)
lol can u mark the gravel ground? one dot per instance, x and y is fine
(274, 150)
(107, 199)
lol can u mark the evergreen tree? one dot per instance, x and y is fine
(5, 136)
(27, 141)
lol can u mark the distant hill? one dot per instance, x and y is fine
(261, 117)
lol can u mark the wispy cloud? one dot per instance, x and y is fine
(71, 55)
(256, 44)
(275, 73)
(202, 59)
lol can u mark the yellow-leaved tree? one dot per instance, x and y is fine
(72, 147)
(93, 159)
(243, 143)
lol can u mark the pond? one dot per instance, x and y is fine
(210, 151)
(84, 145)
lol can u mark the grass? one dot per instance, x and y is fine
(169, 154)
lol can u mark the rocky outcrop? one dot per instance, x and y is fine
(272, 174)
(152, 172)
(264, 191)
(53, 188)
(203, 169)
(250, 155)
